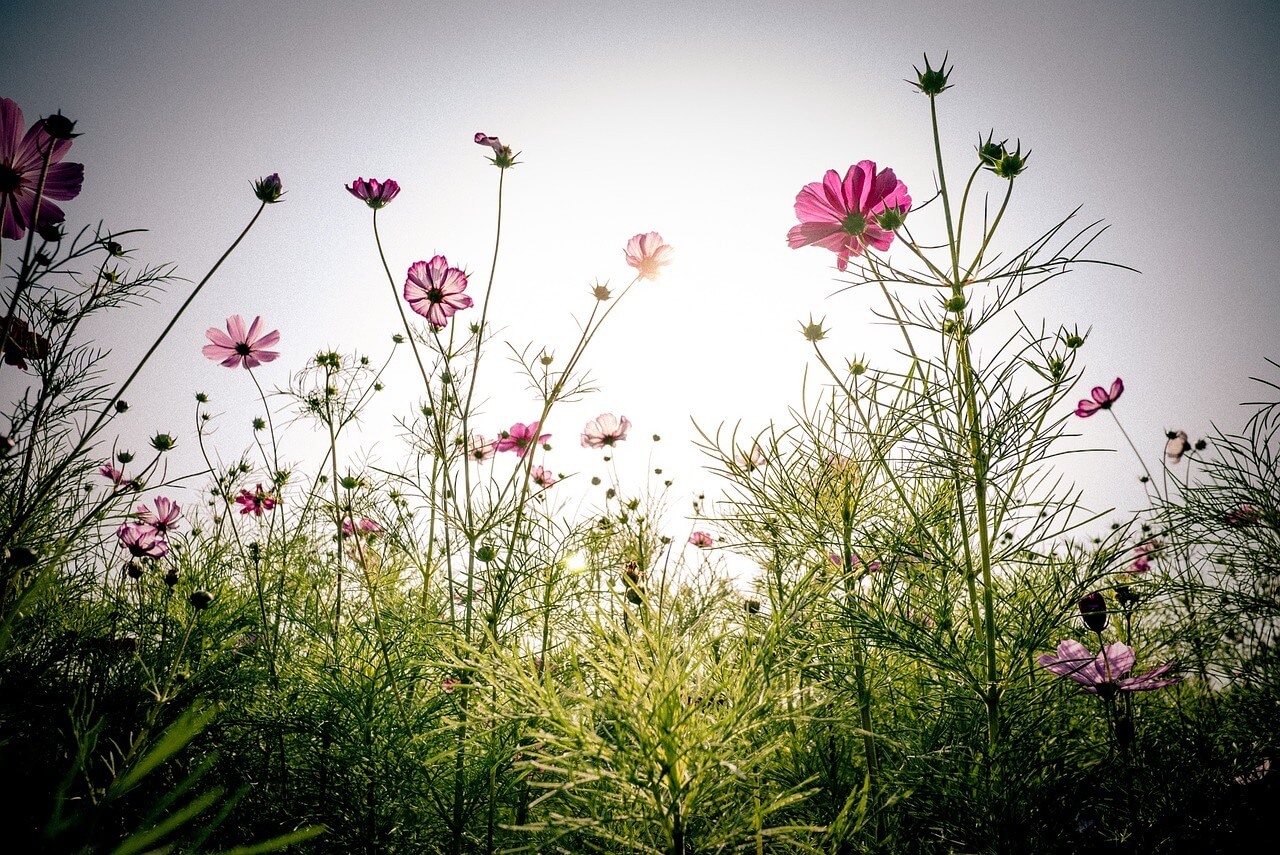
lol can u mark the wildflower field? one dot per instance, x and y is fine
(892, 625)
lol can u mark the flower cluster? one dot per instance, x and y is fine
(147, 535)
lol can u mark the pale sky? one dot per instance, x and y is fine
(700, 120)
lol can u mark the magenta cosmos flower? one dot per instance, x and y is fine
(238, 346)
(142, 540)
(847, 216)
(1102, 399)
(605, 429)
(21, 157)
(1104, 674)
(648, 255)
(434, 290)
(701, 539)
(520, 438)
(376, 194)
(256, 502)
(111, 473)
(165, 518)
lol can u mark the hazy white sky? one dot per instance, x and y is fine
(697, 119)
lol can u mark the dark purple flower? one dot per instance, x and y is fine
(20, 163)
(376, 194)
(1104, 674)
(1102, 399)
(22, 343)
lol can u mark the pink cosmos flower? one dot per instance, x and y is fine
(520, 438)
(1102, 399)
(605, 429)
(238, 346)
(448, 684)
(701, 539)
(20, 164)
(1105, 674)
(544, 478)
(1242, 516)
(434, 290)
(142, 540)
(376, 194)
(847, 216)
(648, 254)
(165, 518)
(364, 526)
(112, 474)
(256, 502)
(480, 449)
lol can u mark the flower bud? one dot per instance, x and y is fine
(268, 189)
(200, 600)
(59, 127)
(122, 406)
(1012, 163)
(989, 151)
(933, 81)
(813, 331)
(1093, 608)
(486, 554)
(133, 570)
(163, 442)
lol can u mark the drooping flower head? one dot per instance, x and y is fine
(1103, 675)
(240, 346)
(21, 157)
(112, 474)
(256, 502)
(1102, 399)
(701, 539)
(166, 516)
(749, 461)
(648, 254)
(21, 343)
(520, 438)
(376, 194)
(434, 290)
(605, 429)
(1176, 446)
(142, 540)
(503, 158)
(848, 215)
(544, 478)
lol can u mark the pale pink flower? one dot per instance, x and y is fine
(1104, 674)
(256, 502)
(448, 684)
(847, 216)
(1102, 399)
(605, 429)
(1176, 446)
(520, 438)
(240, 346)
(434, 290)
(376, 194)
(544, 478)
(165, 518)
(648, 255)
(701, 539)
(480, 449)
(142, 540)
(749, 461)
(364, 527)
